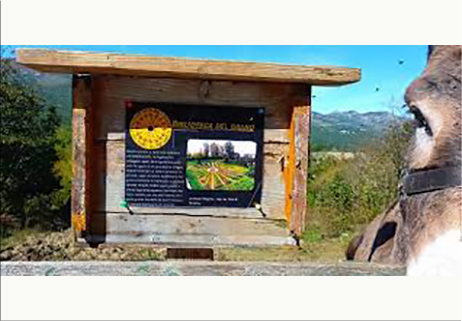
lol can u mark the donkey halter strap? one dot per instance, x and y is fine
(431, 180)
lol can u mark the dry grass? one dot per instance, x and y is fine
(19, 237)
(328, 250)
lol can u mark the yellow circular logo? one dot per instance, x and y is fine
(150, 128)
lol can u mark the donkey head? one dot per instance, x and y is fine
(431, 198)
(435, 100)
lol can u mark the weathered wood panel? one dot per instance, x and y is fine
(81, 151)
(192, 241)
(114, 91)
(184, 224)
(186, 231)
(136, 65)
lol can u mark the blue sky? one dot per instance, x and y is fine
(379, 65)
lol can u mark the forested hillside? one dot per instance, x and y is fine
(35, 168)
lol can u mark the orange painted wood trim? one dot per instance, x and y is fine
(289, 175)
(296, 172)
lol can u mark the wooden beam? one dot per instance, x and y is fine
(186, 231)
(296, 174)
(81, 147)
(149, 66)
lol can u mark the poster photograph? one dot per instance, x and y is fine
(221, 165)
(184, 155)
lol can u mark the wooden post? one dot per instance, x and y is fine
(297, 169)
(81, 147)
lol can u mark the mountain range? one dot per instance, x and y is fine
(349, 130)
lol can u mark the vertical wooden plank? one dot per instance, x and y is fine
(296, 174)
(81, 147)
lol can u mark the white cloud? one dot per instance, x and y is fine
(241, 147)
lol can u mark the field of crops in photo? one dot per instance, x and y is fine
(219, 175)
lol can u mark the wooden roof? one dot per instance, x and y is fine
(150, 66)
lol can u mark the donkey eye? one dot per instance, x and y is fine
(420, 120)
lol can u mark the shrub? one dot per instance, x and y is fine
(344, 194)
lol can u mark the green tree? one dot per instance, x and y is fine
(215, 150)
(27, 148)
(229, 150)
(63, 167)
(206, 150)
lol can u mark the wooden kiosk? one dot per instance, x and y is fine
(188, 153)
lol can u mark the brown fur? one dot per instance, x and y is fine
(438, 91)
(377, 242)
(427, 217)
(422, 218)
(351, 252)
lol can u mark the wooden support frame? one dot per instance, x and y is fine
(81, 152)
(296, 175)
(99, 142)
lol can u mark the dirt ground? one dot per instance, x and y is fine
(58, 246)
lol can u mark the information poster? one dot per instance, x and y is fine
(190, 155)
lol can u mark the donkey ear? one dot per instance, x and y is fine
(446, 50)
(431, 50)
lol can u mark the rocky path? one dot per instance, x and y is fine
(177, 268)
